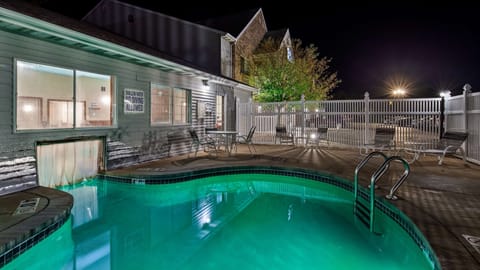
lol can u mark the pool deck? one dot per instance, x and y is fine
(443, 201)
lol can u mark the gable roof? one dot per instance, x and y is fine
(278, 37)
(25, 19)
(278, 34)
(233, 24)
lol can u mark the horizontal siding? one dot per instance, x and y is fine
(132, 129)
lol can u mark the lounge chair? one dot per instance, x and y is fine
(383, 140)
(449, 144)
(320, 134)
(283, 136)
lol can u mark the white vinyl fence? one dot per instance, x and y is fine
(349, 122)
(462, 112)
(352, 122)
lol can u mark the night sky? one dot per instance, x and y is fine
(374, 45)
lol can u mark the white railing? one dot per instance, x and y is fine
(349, 122)
(352, 122)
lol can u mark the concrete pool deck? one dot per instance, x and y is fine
(443, 201)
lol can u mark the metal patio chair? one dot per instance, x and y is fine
(283, 136)
(248, 140)
(207, 143)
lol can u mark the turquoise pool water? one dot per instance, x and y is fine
(246, 221)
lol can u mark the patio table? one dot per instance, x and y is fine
(229, 137)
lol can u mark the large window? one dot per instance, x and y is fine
(50, 97)
(170, 105)
(95, 92)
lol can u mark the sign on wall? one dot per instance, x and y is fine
(200, 109)
(134, 101)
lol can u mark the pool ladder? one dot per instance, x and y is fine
(364, 204)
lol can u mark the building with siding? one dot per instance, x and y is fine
(248, 30)
(201, 46)
(220, 45)
(193, 43)
(73, 92)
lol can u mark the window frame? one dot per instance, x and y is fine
(171, 119)
(113, 111)
(113, 100)
(244, 69)
(290, 56)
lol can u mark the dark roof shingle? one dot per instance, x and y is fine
(278, 34)
(88, 29)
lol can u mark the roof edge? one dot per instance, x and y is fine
(157, 13)
(93, 9)
(41, 26)
(260, 11)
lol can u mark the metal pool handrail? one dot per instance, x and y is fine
(367, 213)
(362, 211)
(377, 175)
(384, 168)
(360, 165)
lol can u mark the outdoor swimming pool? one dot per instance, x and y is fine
(229, 221)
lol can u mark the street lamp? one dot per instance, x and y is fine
(399, 92)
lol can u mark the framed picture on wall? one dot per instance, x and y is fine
(134, 101)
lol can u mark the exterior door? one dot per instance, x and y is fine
(220, 113)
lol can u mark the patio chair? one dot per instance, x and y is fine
(248, 140)
(283, 136)
(449, 144)
(214, 137)
(383, 140)
(317, 136)
(207, 143)
(165, 147)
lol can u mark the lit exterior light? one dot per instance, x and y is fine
(445, 93)
(205, 85)
(399, 92)
(398, 85)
